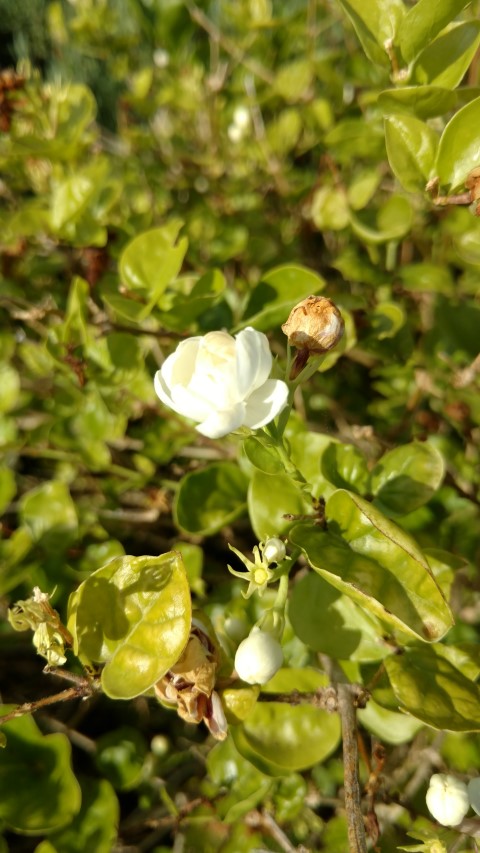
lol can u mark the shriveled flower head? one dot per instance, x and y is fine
(222, 382)
(313, 327)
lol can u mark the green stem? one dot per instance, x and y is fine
(282, 593)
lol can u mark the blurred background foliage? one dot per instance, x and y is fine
(157, 158)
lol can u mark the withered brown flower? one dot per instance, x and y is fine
(314, 326)
(190, 684)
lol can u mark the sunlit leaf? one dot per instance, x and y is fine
(38, 789)
(133, 614)
(369, 558)
(211, 498)
(430, 688)
(278, 738)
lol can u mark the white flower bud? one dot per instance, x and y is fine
(473, 789)
(274, 550)
(258, 657)
(447, 799)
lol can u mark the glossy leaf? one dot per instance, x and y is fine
(95, 825)
(279, 290)
(411, 147)
(227, 768)
(48, 511)
(7, 487)
(38, 789)
(423, 22)
(430, 688)
(278, 738)
(345, 467)
(369, 558)
(393, 221)
(375, 23)
(421, 101)
(152, 260)
(120, 756)
(446, 60)
(407, 477)
(271, 502)
(332, 623)
(133, 614)
(389, 726)
(211, 498)
(459, 148)
(263, 456)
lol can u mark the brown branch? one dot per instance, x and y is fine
(83, 687)
(350, 697)
(324, 698)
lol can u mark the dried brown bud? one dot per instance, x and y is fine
(314, 326)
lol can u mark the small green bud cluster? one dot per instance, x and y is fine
(259, 574)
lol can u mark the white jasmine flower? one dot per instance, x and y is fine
(258, 657)
(447, 799)
(222, 382)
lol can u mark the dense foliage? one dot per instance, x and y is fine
(170, 170)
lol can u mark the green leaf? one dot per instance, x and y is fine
(345, 467)
(446, 60)
(369, 558)
(271, 502)
(278, 738)
(430, 688)
(263, 456)
(134, 614)
(120, 756)
(407, 477)
(393, 221)
(411, 147)
(329, 209)
(375, 23)
(38, 789)
(389, 726)
(459, 148)
(332, 623)
(423, 22)
(151, 261)
(423, 101)
(188, 307)
(10, 384)
(209, 499)
(228, 769)
(95, 825)
(49, 513)
(279, 290)
(8, 487)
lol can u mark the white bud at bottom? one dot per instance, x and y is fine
(258, 657)
(447, 799)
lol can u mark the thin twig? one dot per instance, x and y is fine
(347, 704)
(83, 687)
(324, 698)
(228, 45)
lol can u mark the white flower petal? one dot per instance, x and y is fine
(162, 390)
(254, 360)
(219, 424)
(179, 366)
(265, 403)
(191, 404)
